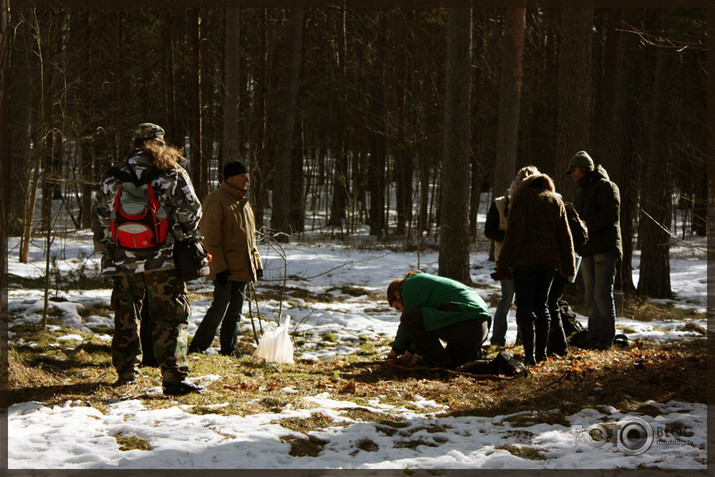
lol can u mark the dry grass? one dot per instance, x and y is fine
(622, 377)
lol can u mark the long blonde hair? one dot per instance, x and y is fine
(165, 156)
(522, 174)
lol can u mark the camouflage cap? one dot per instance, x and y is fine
(148, 131)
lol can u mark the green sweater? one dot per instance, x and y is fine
(437, 297)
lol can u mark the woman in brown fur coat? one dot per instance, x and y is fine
(537, 242)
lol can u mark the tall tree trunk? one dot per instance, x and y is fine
(4, 146)
(454, 239)
(259, 189)
(231, 118)
(196, 121)
(573, 123)
(173, 127)
(403, 158)
(376, 167)
(340, 151)
(297, 198)
(21, 102)
(281, 178)
(656, 204)
(510, 100)
(625, 121)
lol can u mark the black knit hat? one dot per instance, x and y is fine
(233, 169)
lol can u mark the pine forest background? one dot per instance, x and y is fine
(391, 120)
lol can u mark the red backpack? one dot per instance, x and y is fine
(138, 221)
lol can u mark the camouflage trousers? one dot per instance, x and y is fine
(166, 296)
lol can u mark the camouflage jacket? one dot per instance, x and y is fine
(176, 194)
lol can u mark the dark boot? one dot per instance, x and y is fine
(505, 364)
(527, 339)
(557, 335)
(542, 339)
(180, 388)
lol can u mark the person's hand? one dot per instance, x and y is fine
(222, 278)
(391, 358)
(259, 273)
(405, 359)
(501, 274)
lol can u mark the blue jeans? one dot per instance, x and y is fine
(225, 310)
(599, 273)
(502, 312)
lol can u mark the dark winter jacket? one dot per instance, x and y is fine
(598, 202)
(443, 302)
(538, 231)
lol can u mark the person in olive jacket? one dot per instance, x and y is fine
(537, 242)
(437, 308)
(598, 202)
(229, 231)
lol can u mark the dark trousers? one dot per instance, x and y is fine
(225, 310)
(532, 283)
(557, 336)
(463, 339)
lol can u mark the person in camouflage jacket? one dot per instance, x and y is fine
(148, 278)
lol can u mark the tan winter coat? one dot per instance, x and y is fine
(229, 231)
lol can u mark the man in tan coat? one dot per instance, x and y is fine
(229, 231)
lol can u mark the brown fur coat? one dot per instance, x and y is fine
(538, 231)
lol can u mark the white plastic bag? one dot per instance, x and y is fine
(275, 345)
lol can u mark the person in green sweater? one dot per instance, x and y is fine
(437, 308)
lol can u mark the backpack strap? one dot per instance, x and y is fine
(125, 176)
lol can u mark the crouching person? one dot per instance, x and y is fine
(436, 308)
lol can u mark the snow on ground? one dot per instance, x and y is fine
(73, 435)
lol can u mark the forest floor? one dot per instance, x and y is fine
(623, 377)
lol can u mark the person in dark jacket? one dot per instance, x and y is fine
(495, 229)
(537, 243)
(598, 202)
(437, 308)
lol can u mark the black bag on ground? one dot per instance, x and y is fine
(191, 259)
(579, 339)
(568, 319)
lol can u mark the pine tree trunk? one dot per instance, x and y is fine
(510, 100)
(454, 226)
(286, 127)
(21, 104)
(231, 118)
(573, 124)
(376, 167)
(4, 146)
(623, 139)
(656, 201)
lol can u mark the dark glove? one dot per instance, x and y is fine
(222, 278)
(259, 273)
(501, 274)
